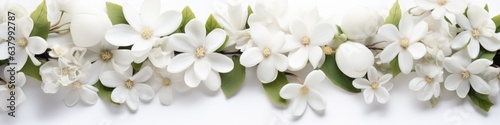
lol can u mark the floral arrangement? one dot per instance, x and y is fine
(124, 55)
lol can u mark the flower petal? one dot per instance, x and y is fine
(489, 43)
(213, 82)
(463, 89)
(122, 35)
(368, 94)
(182, 43)
(166, 95)
(112, 79)
(390, 52)
(314, 78)
(181, 62)
(150, 10)
(280, 61)
(298, 59)
(479, 66)
(389, 33)
(196, 30)
(315, 55)
(260, 35)
(322, 34)
(372, 74)
(88, 96)
(438, 12)
(417, 50)
(461, 40)
(419, 31)
(120, 94)
(417, 83)
(71, 98)
(89, 29)
(463, 22)
(167, 23)
(406, 25)
(452, 82)
(298, 29)
(473, 48)
(220, 63)
(251, 57)
(477, 16)
(133, 101)
(145, 91)
(133, 17)
(479, 84)
(290, 91)
(191, 79)
(316, 100)
(202, 68)
(143, 75)
(37, 45)
(361, 83)
(382, 95)
(405, 61)
(266, 72)
(215, 39)
(299, 105)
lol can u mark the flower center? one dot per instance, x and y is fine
(429, 79)
(465, 74)
(328, 50)
(106, 55)
(476, 33)
(374, 85)
(146, 33)
(305, 41)
(23, 42)
(77, 84)
(405, 43)
(441, 2)
(266, 52)
(200, 52)
(129, 84)
(64, 71)
(166, 82)
(498, 76)
(304, 90)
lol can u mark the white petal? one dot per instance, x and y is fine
(165, 94)
(322, 34)
(426, 4)
(452, 66)
(368, 94)
(473, 48)
(425, 94)
(158, 59)
(220, 63)
(3, 46)
(213, 81)
(406, 25)
(479, 84)
(315, 54)
(438, 12)
(132, 16)
(71, 98)
(266, 72)
(299, 106)
(120, 94)
(372, 74)
(314, 78)
(463, 89)
(145, 91)
(191, 79)
(166, 23)
(121, 60)
(354, 59)
(88, 96)
(405, 61)
(251, 57)
(389, 33)
(417, 50)
(494, 86)
(37, 45)
(89, 29)
(202, 68)
(315, 100)
(419, 31)
(150, 10)
(461, 40)
(384, 81)
(112, 79)
(196, 30)
(122, 35)
(463, 22)
(133, 101)
(298, 59)
(143, 75)
(290, 91)
(390, 52)
(382, 95)
(181, 62)
(361, 83)
(298, 29)
(417, 83)
(141, 48)
(477, 16)
(479, 66)
(215, 39)
(456, 7)
(260, 35)
(489, 43)
(452, 82)
(280, 61)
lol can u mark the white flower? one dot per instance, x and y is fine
(306, 93)
(20, 12)
(128, 88)
(199, 59)
(265, 53)
(493, 76)
(433, 62)
(146, 27)
(404, 43)
(160, 55)
(306, 42)
(354, 59)
(82, 89)
(440, 8)
(7, 87)
(464, 74)
(356, 26)
(109, 57)
(165, 83)
(425, 84)
(267, 13)
(479, 29)
(25, 45)
(88, 29)
(62, 72)
(233, 17)
(374, 86)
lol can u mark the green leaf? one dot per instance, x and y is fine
(212, 24)
(395, 67)
(480, 100)
(187, 15)
(104, 92)
(433, 101)
(486, 8)
(485, 54)
(136, 66)
(394, 14)
(41, 25)
(3, 62)
(250, 11)
(336, 76)
(31, 70)
(339, 29)
(231, 82)
(273, 89)
(496, 19)
(115, 13)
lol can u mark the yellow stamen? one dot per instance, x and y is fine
(429, 79)
(304, 90)
(266, 52)
(405, 43)
(65, 71)
(476, 33)
(200, 52)
(305, 41)
(106, 55)
(441, 2)
(76, 84)
(129, 84)
(166, 82)
(146, 33)
(465, 74)
(23, 42)
(374, 85)
(328, 50)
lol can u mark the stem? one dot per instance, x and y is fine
(62, 31)
(237, 52)
(295, 77)
(59, 26)
(58, 21)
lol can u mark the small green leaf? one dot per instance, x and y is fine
(136, 66)
(433, 101)
(394, 14)
(250, 11)
(273, 89)
(487, 8)
(496, 19)
(41, 25)
(115, 13)
(485, 54)
(339, 29)
(231, 82)
(187, 15)
(31, 70)
(395, 67)
(480, 100)
(212, 24)
(336, 76)
(104, 92)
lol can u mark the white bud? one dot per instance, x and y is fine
(360, 23)
(354, 59)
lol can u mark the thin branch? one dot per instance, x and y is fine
(294, 76)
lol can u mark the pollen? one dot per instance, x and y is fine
(306, 41)
(476, 33)
(146, 33)
(77, 84)
(266, 52)
(441, 2)
(429, 79)
(200, 52)
(304, 90)
(374, 85)
(166, 82)
(328, 50)
(65, 71)
(465, 74)
(23, 42)
(129, 84)
(405, 43)
(106, 55)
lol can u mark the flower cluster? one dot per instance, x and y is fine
(126, 55)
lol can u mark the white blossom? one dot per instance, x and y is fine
(374, 86)
(426, 85)
(360, 23)
(465, 74)
(306, 93)
(354, 59)
(7, 88)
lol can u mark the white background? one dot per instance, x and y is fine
(250, 106)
